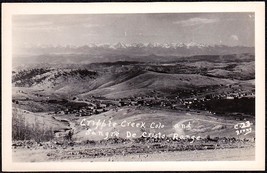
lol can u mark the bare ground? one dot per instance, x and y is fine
(235, 154)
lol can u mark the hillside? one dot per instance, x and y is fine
(122, 79)
(153, 81)
(116, 106)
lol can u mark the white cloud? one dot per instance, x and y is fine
(195, 21)
(234, 37)
(49, 26)
(251, 16)
(32, 24)
(37, 26)
(88, 25)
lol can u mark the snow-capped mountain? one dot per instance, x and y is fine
(177, 49)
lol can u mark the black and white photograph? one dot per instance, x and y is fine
(134, 87)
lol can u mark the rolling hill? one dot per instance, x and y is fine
(145, 84)
(122, 79)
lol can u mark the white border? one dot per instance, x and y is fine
(9, 9)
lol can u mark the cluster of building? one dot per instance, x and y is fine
(90, 109)
(96, 106)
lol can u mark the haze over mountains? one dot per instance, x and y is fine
(191, 48)
(93, 53)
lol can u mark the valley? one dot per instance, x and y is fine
(120, 109)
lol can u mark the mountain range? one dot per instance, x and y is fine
(175, 49)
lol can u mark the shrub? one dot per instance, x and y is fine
(23, 130)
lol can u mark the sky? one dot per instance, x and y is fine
(230, 29)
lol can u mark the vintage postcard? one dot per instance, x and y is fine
(133, 86)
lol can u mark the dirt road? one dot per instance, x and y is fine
(25, 155)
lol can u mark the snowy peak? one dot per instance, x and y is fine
(118, 46)
(194, 44)
(177, 49)
(133, 45)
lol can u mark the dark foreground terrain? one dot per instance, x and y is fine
(135, 150)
